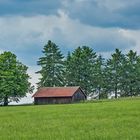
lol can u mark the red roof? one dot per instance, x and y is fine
(56, 92)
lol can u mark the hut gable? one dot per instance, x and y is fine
(52, 95)
(78, 95)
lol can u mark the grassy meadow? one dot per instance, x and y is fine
(106, 120)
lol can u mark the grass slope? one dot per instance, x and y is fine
(115, 120)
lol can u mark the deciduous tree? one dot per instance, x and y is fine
(14, 82)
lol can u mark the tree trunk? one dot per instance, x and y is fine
(116, 86)
(131, 92)
(116, 92)
(5, 101)
(99, 89)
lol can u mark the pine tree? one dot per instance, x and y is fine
(114, 72)
(68, 71)
(132, 79)
(52, 66)
(79, 68)
(99, 77)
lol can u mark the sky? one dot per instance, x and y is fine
(27, 25)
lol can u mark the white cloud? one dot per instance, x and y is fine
(34, 77)
(132, 34)
(1, 51)
(26, 36)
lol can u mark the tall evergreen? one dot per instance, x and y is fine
(79, 68)
(114, 72)
(132, 78)
(52, 66)
(68, 74)
(99, 77)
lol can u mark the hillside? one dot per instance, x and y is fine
(111, 120)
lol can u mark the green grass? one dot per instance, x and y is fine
(106, 120)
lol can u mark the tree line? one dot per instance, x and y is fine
(119, 74)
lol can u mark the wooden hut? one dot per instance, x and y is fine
(58, 95)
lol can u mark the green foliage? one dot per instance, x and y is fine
(52, 66)
(99, 77)
(79, 68)
(111, 120)
(114, 72)
(131, 81)
(13, 78)
(122, 74)
(68, 71)
(119, 75)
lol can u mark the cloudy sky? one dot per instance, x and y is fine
(27, 25)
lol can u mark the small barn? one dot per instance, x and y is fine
(58, 95)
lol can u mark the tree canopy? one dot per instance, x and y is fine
(14, 82)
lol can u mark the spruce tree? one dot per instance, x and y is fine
(114, 72)
(99, 77)
(79, 68)
(52, 66)
(132, 79)
(68, 72)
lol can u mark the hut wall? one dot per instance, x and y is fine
(52, 100)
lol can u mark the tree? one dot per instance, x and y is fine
(114, 72)
(68, 72)
(79, 68)
(52, 66)
(99, 77)
(132, 78)
(13, 79)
